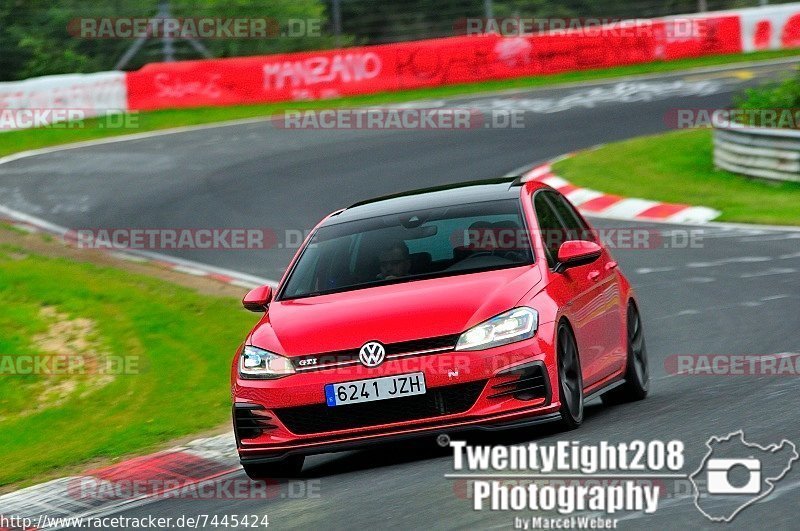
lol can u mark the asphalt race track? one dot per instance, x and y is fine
(735, 293)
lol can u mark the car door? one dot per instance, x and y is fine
(604, 310)
(577, 292)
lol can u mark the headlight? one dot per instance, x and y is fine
(509, 327)
(256, 363)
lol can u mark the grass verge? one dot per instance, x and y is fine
(99, 362)
(16, 141)
(677, 167)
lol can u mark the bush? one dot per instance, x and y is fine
(783, 98)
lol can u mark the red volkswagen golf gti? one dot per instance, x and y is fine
(482, 305)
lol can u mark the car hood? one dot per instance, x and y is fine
(392, 313)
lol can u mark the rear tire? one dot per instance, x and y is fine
(286, 468)
(570, 378)
(637, 374)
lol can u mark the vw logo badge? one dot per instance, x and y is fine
(372, 354)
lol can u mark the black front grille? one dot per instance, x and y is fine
(421, 344)
(250, 421)
(436, 402)
(416, 345)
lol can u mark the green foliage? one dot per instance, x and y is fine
(379, 22)
(604, 9)
(782, 97)
(37, 36)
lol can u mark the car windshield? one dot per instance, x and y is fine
(426, 243)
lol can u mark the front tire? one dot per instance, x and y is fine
(570, 378)
(637, 373)
(286, 468)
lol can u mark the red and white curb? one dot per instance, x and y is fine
(130, 483)
(33, 224)
(602, 205)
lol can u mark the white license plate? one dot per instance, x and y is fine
(374, 389)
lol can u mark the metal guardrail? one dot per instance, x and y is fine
(761, 152)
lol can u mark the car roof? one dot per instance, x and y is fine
(440, 196)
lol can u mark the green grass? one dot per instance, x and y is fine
(16, 141)
(677, 167)
(178, 345)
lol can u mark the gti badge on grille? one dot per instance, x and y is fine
(372, 354)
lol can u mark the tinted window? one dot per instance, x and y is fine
(552, 232)
(576, 228)
(413, 245)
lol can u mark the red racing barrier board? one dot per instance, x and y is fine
(428, 63)
(681, 38)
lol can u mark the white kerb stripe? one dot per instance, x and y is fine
(537, 172)
(555, 182)
(582, 195)
(628, 208)
(190, 270)
(694, 215)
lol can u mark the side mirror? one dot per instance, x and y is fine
(573, 253)
(257, 299)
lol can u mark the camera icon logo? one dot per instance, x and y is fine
(736, 473)
(719, 476)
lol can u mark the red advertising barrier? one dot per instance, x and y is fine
(770, 28)
(700, 36)
(428, 63)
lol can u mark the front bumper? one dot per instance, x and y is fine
(361, 442)
(511, 385)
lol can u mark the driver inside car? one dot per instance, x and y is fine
(395, 261)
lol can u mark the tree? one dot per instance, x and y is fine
(38, 37)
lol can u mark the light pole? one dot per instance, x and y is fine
(337, 23)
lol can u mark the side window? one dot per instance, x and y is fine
(552, 233)
(577, 229)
